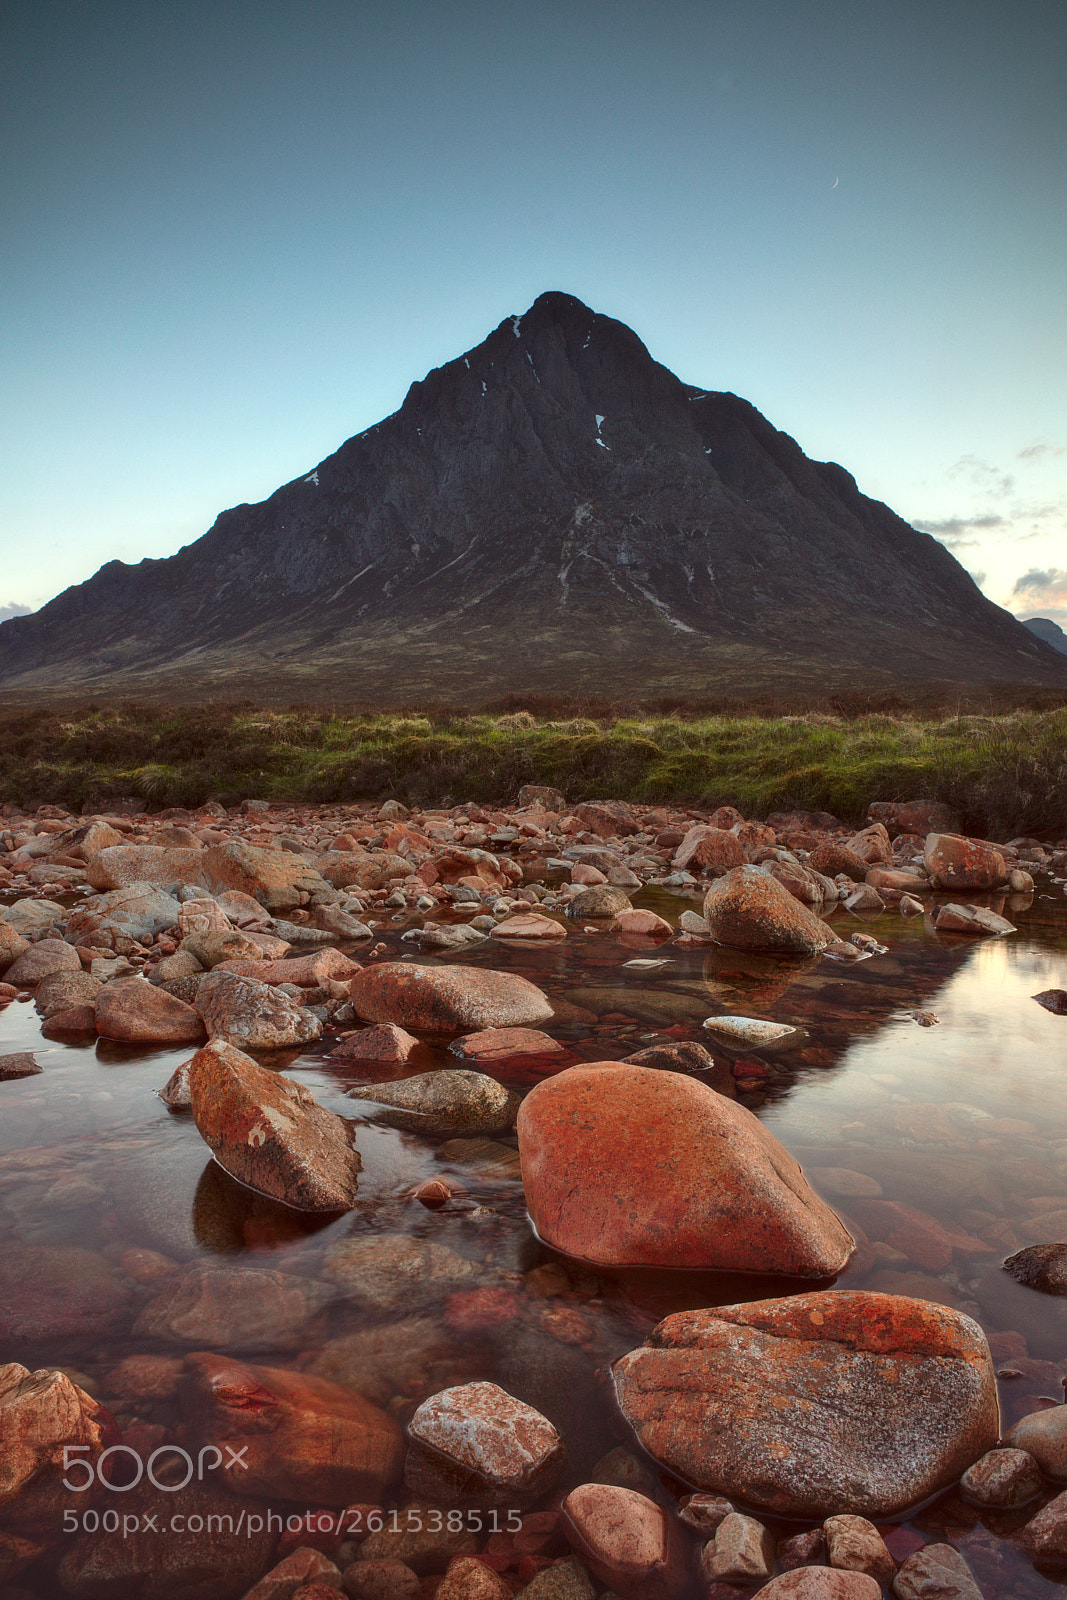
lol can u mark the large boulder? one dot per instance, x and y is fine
(749, 910)
(40, 960)
(298, 1437)
(830, 1402)
(446, 999)
(276, 878)
(268, 1132)
(711, 851)
(121, 866)
(253, 1015)
(629, 1166)
(955, 862)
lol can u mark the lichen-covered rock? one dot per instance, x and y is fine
(627, 1166)
(955, 862)
(819, 1404)
(43, 1415)
(748, 910)
(253, 1015)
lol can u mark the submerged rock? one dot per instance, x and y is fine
(299, 1437)
(235, 1307)
(626, 1165)
(823, 1403)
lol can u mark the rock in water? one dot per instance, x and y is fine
(955, 862)
(1040, 1266)
(269, 1133)
(629, 1542)
(748, 910)
(1054, 1000)
(303, 1438)
(443, 1102)
(477, 1442)
(42, 1414)
(446, 999)
(627, 1166)
(824, 1403)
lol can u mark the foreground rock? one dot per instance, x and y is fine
(303, 1438)
(446, 999)
(477, 1443)
(269, 1132)
(971, 919)
(830, 1402)
(629, 1166)
(42, 1415)
(631, 1544)
(748, 910)
(443, 1102)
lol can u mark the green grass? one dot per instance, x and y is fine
(1005, 774)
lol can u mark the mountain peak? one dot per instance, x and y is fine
(553, 510)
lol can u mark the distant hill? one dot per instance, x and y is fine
(1050, 631)
(555, 511)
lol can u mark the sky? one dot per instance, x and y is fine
(236, 232)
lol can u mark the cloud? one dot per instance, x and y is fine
(979, 577)
(957, 525)
(1049, 584)
(13, 608)
(1034, 452)
(991, 480)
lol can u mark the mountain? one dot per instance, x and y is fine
(1051, 632)
(553, 510)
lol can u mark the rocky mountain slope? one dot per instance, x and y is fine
(553, 510)
(1051, 632)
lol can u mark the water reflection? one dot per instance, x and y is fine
(944, 1148)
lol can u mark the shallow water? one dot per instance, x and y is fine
(963, 1120)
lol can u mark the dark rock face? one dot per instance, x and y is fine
(558, 488)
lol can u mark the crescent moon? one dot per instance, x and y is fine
(835, 183)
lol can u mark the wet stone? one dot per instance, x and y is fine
(1002, 1478)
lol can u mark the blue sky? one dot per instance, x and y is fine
(237, 232)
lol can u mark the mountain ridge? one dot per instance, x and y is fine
(551, 509)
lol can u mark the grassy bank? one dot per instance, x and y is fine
(1005, 774)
